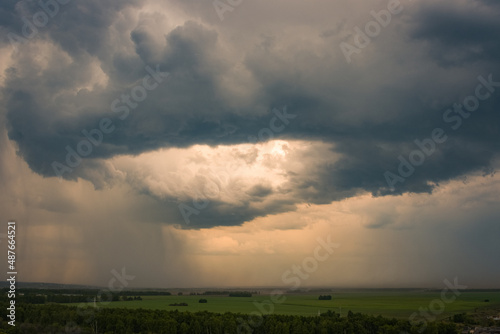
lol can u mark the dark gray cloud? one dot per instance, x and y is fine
(8, 17)
(370, 111)
(460, 36)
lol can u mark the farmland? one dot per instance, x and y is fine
(45, 310)
(389, 303)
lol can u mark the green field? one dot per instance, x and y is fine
(398, 304)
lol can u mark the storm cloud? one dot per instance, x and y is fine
(223, 81)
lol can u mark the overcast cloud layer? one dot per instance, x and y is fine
(250, 112)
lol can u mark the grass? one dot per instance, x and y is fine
(397, 304)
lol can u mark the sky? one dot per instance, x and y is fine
(200, 143)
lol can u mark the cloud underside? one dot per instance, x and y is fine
(212, 135)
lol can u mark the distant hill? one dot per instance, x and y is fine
(40, 285)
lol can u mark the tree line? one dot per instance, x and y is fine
(85, 292)
(325, 297)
